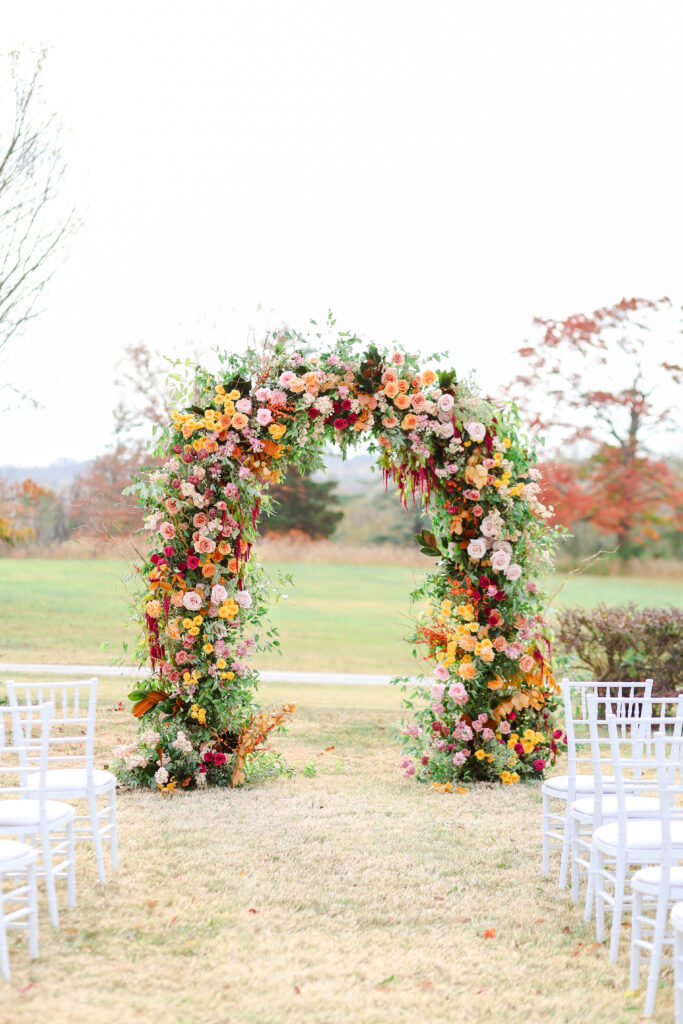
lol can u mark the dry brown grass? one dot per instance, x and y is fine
(351, 896)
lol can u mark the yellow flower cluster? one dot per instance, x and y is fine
(509, 778)
(483, 755)
(228, 610)
(529, 740)
(193, 625)
(198, 713)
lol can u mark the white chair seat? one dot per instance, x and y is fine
(648, 881)
(66, 780)
(677, 917)
(11, 850)
(27, 812)
(584, 784)
(637, 806)
(640, 835)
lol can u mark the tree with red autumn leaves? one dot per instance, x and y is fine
(602, 387)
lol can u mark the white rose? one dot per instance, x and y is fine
(476, 549)
(489, 527)
(243, 598)
(500, 560)
(513, 572)
(477, 431)
(218, 594)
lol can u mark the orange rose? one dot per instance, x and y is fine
(239, 421)
(208, 570)
(224, 547)
(402, 402)
(391, 389)
(467, 670)
(384, 441)
(403, 385)
(428, 377)
(232, 566)
(409, 422)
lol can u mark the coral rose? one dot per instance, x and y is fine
(409, 422)
(167, 531)
(526, 663)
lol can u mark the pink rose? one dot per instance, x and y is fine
(526, 663)
(505, 728)
(458, 693)
(539, 764)
(243, 405)
(477, 431)
(286, 379)
(476, 549)
(192, 601)
(441, 672)
(171, 506)
(477, 511)
(397, 358)
(487, 734)
(515, 650)
(513, 571)
(218, 594)
(459, 759)
(263, 417)
(499, 560)
(262, 394)
(167, 531)
(437, 691)
(243, 598)
(446, 403)
(278, 398)
(200, 519)
(500, 643)
(205, 546)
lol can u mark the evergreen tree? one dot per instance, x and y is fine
(301, 503)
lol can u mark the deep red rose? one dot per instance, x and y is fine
(169, 551)
(425, 759)
(219, 758)
(512, 716)
(182, 566)
(340, 423)
(352, 417)
(336, 406)
(209, 757)
(484, 581)
(346, 405)
(313, 414)
(557, 734)
(187, 457)
(177, 448)
(154, 559)
(519, 749)
(175, 484)
(192, 562)
(539, 764)
(476, 596)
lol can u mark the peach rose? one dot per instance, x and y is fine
(500, 643)
(428, 377)
(466, 642)
(467, 670)
(402, 402)
(389, 376)
(389, 422)
(239, 421)
(403, 385)
(205, 546)
(200, 519)
(171, 506)
(526, 663)
(418, 401)
(409, 422)
(487, 655)
(167, 531)
(391, 389)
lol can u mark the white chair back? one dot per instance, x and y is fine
(576, 695)
(24, 745)
(72, 737)
(645, 749)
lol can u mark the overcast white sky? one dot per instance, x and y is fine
(437, 172)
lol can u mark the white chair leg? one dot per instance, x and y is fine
(46, 853)
(113, 830)
(4, 952)
(545, 859)
(599, 896)
(71, 870)
(575, 853)
(32, 899)
(657, 945)
(566, 837)
(590, 888)
(97, 839)
(618, 911)
(678, 976)
(636, 935)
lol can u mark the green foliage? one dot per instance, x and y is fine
(305, 505)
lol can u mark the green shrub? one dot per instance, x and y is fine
(624, 643)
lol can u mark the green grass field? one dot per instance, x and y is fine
(337, 618)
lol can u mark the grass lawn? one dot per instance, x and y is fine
(344, 895)
(337, 618)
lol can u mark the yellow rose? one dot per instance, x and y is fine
(276, 430)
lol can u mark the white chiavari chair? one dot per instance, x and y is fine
(18, 897)
(577, 782)
(618, 845)
(71, 774)
(27, 813)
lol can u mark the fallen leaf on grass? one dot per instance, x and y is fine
(252, 911)
(461, 789)
(439, 897)
(151, 904)
(442, 787)
(297, 990)
(386, 980)
(490, 933)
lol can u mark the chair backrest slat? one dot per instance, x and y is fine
(73, 724)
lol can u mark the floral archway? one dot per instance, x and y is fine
(485, 706)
